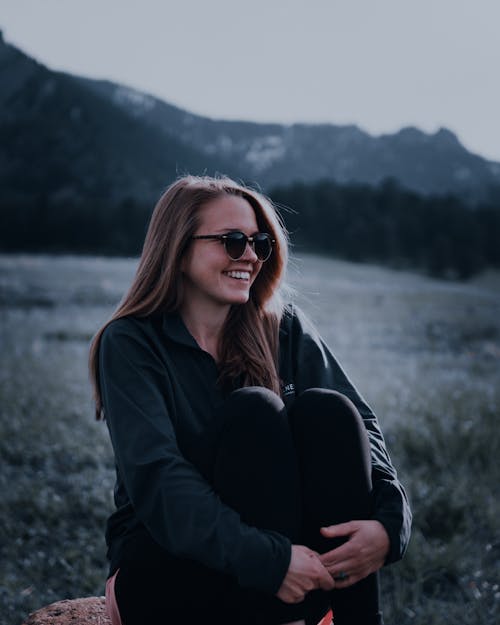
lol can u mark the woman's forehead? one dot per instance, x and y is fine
(228, 212)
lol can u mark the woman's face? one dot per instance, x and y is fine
(211, 278)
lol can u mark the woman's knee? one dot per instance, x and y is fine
(255, 395)
(254, 407)
(325, 408)
(326, 424)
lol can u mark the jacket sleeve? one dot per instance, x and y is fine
(169, 495)
(319, 368)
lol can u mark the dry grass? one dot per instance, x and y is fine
(425, 353)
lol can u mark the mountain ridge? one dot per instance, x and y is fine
(101, 139)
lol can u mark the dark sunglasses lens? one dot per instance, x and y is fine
(262, 245)
(235, 243)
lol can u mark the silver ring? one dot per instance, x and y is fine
(342, 575)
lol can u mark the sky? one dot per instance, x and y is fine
(379, 64)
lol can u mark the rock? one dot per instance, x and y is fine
(88, 611)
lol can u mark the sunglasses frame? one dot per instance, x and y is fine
(224, 238)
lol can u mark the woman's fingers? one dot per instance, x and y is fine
(325, 581)
(345, 573)
(347, 551)
(341, 529)
(305, 573)
(363, 553)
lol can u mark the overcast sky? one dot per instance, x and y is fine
(380, 64)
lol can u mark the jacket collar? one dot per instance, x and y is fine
(175, 330)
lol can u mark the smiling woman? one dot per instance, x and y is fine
(213, 279)
(252, 479)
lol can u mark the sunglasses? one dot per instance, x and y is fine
(235, 243)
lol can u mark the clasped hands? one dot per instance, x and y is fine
(363, 553)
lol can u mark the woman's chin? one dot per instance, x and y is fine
(239, 298)
(242, 299)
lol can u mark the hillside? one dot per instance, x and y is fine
(277, 154)
(63, 141)
(67, 137)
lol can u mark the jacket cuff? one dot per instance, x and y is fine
(265, 571)
(393, 530)
(391, 509)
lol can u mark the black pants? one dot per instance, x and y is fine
(290, 472)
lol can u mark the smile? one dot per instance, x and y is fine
(238, 275)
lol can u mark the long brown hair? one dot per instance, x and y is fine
(249, 343)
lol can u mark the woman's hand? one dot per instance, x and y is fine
(364, 552)
(305, 573)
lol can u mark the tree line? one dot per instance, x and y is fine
(441, 235)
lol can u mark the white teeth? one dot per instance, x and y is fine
(240, 275)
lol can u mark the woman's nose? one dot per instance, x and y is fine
(249, 253)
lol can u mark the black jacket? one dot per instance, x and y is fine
(161, 403)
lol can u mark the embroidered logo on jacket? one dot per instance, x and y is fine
(289, 389)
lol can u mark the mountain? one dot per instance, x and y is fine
(62, 140)
(277, 154)
(67, 136)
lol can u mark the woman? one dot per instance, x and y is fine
(253, 485)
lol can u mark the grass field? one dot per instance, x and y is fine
(424, 353)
